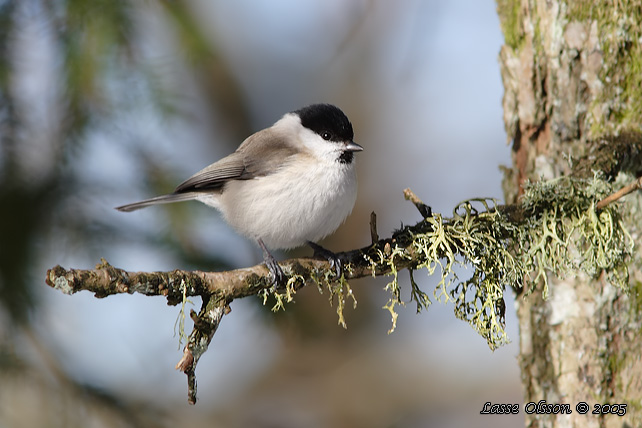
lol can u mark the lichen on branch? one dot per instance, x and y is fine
(555, 229)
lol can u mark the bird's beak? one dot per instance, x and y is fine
(353, 147)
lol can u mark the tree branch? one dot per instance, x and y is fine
(505, 245)
(105, 280)
(219, 289)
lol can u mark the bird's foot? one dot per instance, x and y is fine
(332, 258)
(276, 273)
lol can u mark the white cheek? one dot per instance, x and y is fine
(323, 150)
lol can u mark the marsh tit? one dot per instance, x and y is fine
(287, 185)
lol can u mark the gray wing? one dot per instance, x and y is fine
(216, 175)
(260, 154)
(212, 177)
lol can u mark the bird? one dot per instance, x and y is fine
(285, 186)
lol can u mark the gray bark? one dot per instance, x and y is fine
(571, 78)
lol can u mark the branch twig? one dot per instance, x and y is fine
(205, 325)
(636, 185)
(374, 236)
(424, 209)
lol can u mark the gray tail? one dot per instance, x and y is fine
(164, 199)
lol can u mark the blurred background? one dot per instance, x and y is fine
(104, 102)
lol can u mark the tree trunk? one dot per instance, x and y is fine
(572, 74)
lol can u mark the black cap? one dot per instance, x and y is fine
(328, 121)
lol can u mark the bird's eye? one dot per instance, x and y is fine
(326, 136)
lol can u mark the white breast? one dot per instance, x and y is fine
(303, 201)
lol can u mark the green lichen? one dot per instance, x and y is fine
(478, 239)
(569, 234)
(341, 291)
(510, 18)
(619, 31)
(560, 233)
(422, 299)
(387, 257)
(285, 296)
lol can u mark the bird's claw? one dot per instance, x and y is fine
(335, 261)
(276, 273)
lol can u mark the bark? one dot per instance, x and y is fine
(571, 74)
